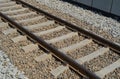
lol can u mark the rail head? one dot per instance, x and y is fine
(72, 63)
(113, 46)
(55, 52)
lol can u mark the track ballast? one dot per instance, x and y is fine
(82, 51)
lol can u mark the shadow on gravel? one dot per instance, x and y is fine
(100, 12)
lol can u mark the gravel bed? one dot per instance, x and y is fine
(9, 45)
(80, 52)
(102, 61)
(95, 19)
(5, 1)
(25, 17)
(109, 24)
(67, 42)
(13, 35)
(0, 20)
(34, 22)
(82, 23)
(55, 34)
(8, 70)
(44, 28)
(17, 46)
(113, 75)
(4, 28)
(5, 5)
(69, 74)
(16, 13)
(47, 66)
(25, 61)
(10, 9)
(9, 35)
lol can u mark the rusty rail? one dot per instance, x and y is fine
(60, 55)
(72, 63)
(115, 47)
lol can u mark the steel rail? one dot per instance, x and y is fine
(113, 46)
(74, 65)
(60, 55)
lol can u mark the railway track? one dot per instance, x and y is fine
(88, 54)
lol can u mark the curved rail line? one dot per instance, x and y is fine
(60, 55)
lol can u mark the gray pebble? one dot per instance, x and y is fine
(8, 70)
(96, 20)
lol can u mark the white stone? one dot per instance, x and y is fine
(9, 71)
(96, 20)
